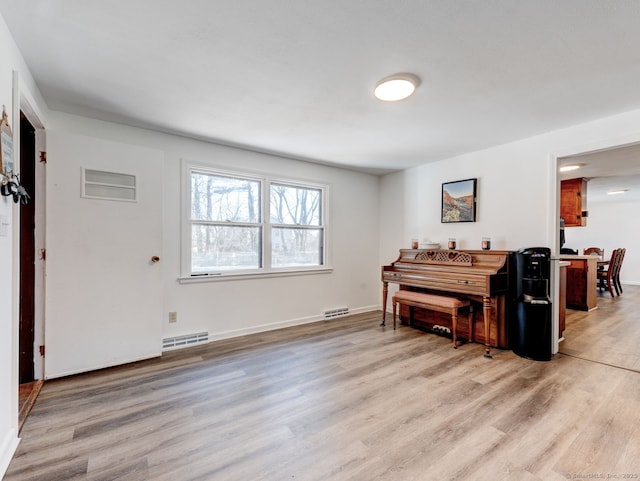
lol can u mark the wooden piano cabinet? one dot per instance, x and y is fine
(483, 277)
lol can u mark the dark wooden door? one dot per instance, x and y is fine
(27, 251)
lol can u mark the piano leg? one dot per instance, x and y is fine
(454, 328)
(394, 313)
(486, 312)
(385, 291)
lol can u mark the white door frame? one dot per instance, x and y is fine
(23, 101)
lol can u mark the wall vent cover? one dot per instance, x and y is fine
(98, 184)
(333, 313)
(187, 340)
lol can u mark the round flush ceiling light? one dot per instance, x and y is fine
(396, 87)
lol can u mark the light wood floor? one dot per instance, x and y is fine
(349, 400)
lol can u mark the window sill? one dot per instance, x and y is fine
(255, 275)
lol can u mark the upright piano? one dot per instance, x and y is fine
(485, 277)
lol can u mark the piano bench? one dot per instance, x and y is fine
(434, 302)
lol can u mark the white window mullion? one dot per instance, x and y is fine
(266, 223)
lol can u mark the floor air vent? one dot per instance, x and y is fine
(333, 313)
(184, 341)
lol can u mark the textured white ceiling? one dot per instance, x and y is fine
(295, 77)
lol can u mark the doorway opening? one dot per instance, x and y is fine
(607, 166)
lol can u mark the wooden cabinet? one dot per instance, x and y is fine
(562, 299)
(573, 202)
(581, 282)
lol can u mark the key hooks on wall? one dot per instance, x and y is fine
(11, 186)
(9, 181)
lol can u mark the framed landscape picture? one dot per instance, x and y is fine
(459, 201)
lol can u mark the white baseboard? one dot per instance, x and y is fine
(280, 325)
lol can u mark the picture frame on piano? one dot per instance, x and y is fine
(459, 201)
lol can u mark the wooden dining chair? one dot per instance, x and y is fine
(616, 275)
(594, 250)
(606, 278)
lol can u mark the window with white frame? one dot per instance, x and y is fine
(245, 224)
(296, 225)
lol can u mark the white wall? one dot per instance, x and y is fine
(513, 200)
(12, 62)
(517, 191)
(611, 224)
(241, 306)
